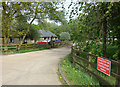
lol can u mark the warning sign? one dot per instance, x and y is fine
(104, 65)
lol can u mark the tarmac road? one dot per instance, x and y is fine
(33, 68)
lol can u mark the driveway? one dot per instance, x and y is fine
(33, 68)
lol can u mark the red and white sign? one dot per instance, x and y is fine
(104, 65)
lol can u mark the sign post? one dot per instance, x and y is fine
(104, 65)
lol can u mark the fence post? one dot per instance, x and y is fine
(118, 72)
(72, 54)
(59, 45)
(39, 45)
(16, 47)
(25, 46)
(34, 46)
(89, 59)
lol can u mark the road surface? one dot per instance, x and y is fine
(33, 68)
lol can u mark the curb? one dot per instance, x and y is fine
(59, 68)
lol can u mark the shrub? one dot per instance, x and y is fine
(64, 36)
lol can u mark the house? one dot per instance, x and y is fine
(14, 40)
(46, 35)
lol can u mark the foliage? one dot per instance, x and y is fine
(53, 27)
(24, 12)
(64, 36)
(75, 74)
(34, 34)
(110, 79)
(96, 22)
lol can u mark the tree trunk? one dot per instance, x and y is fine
(104, 30)
(113, 40)
(26, 32)
(5, 44)
(35, 41)
(118, 43)
(5, 25)
(29, 27)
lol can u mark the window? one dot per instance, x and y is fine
(11, 40)
(44, 38)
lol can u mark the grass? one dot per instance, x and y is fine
(75, 74)
(110, 79)
(61, 78)
(24, 51)
(30, 50)
(26, 48)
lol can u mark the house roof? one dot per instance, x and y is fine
(46, 33)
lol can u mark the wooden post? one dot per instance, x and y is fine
(33, 46)
(59, 44)
(118, 72)
(25, 46)
(73, 56)
(89, 59)
(16, 47)
(74, 59)
(39, 45)
(72, 53)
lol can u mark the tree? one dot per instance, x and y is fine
(42, 10)
(64, 36)
(31, 11)
(97, 22)
(8, 12)
(34, 34)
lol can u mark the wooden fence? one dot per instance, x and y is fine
(61, 44)
(89, 64)
(24, 47)
(32, 46)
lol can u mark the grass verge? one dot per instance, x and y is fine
(30, 50)
(24, 51)
(75, 74)
(61, 78)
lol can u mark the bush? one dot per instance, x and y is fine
(64, 36)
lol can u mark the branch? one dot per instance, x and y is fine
(33, 19)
